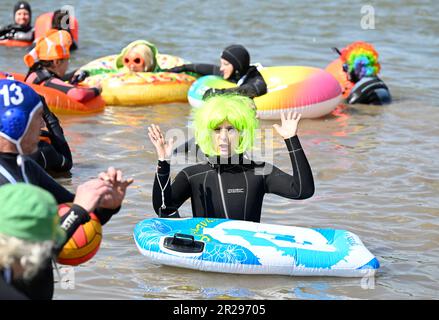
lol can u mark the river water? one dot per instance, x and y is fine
(375, 168)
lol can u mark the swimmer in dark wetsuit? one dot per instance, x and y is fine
(360, 63)
(228, 184)
(48, 63)
(53, 153)
(21, 29)
(21, 112)
(235, 67)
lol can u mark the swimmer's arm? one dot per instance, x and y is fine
(299, 185)
(76, 93)
(175, 194)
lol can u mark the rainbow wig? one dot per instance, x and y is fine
(238, 110)
(361, 58)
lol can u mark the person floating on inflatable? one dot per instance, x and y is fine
(21, 111)
(48, 63)
(235, 67)
(361, 66)
(138, 56)
(53, 153)
(21, 29)
(228, 184)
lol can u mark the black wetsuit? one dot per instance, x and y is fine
(370, 90)
(7, 291)
(42, 285)
(17, 32)
(55, 156)
(251, 84)
(234, 191)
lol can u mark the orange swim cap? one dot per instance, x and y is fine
(55, 45)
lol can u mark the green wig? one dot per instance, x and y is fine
(240, 111)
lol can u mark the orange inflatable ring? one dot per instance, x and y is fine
(336, 69)
(15, 43)
(44, 24)
(60, 103)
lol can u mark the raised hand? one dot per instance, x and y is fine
(288, 127)
(163, 148)
(89, 193)
(113, 198)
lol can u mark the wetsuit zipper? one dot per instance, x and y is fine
(222, 194)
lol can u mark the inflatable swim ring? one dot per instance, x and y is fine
(15, 43)
(336, 69)
(60, 103)
(311, 91)
(44, 24)
(233, 246)
(139, 88)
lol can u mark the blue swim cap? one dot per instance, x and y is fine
(18, 103)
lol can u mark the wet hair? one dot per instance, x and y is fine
(236, 109)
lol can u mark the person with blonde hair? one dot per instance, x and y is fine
(138, 56)
(29, 233)
(228, 184)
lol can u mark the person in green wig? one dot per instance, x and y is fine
(29, 231)
(228, 184)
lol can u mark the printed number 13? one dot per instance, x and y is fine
(17, 97)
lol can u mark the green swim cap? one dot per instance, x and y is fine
(29, 213)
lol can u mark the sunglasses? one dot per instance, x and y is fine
(137, 60)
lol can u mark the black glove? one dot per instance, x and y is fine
(176, 69)
(79, 77)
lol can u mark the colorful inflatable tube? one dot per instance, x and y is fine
(310, 91)
(60, 103)
(336, 69)
(139, 88)
(15, 43)
(233, 246)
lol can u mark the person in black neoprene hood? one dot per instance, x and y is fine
(235, 67)
(21, 29)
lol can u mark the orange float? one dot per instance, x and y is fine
(336, 69)
(60, 103)
(44, 24)
(15, 43)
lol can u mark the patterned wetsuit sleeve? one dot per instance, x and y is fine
(70, 223)
(300, 185)
(80, 94)
(175, 194)
(203, 69)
